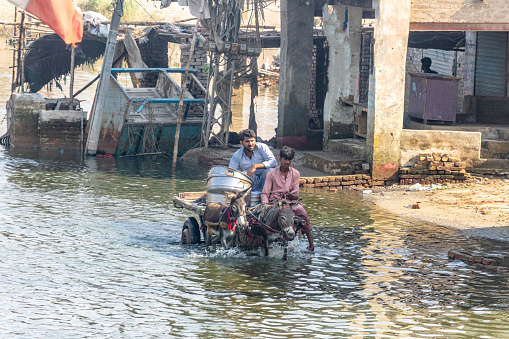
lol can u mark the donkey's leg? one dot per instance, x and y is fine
(226, 238)
(266, 245)
(207, 239)
(285, 246)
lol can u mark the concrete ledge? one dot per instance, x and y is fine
(493, 164)
(496, 149)
(69, 116)
(488, 132)
(334, 163)
(355, 148)
(463, 145)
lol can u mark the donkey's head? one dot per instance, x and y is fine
(285, 218)
(238, 208)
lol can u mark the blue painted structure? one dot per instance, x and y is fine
(144, 120)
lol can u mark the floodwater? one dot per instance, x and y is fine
(92, 250)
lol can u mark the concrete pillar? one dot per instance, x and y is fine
(25, 109)
(387, 87)
(342, 26)
(295, 73)
(470, 56)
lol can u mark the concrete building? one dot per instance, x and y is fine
(482, 68)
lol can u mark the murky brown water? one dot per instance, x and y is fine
(93, 250)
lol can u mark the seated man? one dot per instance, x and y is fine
(253, 158)
(283, 182)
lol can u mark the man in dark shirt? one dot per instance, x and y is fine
(425, 66)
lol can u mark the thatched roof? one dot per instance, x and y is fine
(49, 58)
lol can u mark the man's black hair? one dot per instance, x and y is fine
(426, 62)
(246, 133)
(287, 152)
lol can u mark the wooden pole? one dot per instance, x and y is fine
(20, 78)
(71, 85)
(23, 29)
(14, 64)
(102, 87)
(184, 87)
(253, 81)
(211, 101)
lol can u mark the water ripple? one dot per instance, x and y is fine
(93, 249)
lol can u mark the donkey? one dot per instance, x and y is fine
(272, 223)
(220, 221)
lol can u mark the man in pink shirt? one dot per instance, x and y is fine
(283, 182)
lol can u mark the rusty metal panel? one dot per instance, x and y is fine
(433, 97)
(441, 99)
(114, 116)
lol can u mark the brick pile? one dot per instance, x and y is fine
(434, 168)
(340, 182)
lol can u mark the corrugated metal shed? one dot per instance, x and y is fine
(490, 68)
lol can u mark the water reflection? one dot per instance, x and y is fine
(265, 110)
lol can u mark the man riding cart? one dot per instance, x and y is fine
(282, 182)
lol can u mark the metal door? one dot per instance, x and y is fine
(490, 67)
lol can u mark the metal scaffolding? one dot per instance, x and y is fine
(227, 62)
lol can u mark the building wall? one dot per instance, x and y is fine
(459, 11)
(154, 53)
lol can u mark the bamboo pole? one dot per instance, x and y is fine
(71, 85)
(14, 64)
(213, 69)
(184, 86)
(22, 53)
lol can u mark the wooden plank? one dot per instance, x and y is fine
(192, 195)
(186, 200)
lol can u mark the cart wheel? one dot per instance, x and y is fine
(190, 232)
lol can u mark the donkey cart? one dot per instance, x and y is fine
(194, 202)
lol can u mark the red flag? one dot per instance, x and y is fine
(60, 15)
